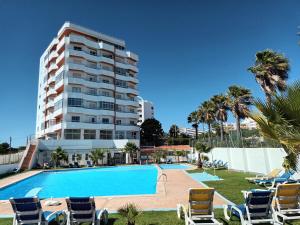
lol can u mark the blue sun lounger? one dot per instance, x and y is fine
(83, 209)
(29, 211)
(256, 209)
(281, 179)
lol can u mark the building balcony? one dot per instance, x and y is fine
(57, 127)
(51, 80)
(51, 92)
(89, 111)
(53, 55)
(127, 102)
(127, 78)
(58, 113)
(52, 67)
(91, 84)
(97, 71)
(127, 90)
(127, 66)
(50, 104)
(132, 56)
(49, 117)
(89, 97)
(83, 54)
(127, 127)
(127, 115)
(121, 53)
(88, 125)
(90, 43)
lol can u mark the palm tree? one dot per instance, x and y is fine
(130, 212)
(193, 118)
(208, 108)
(101, 155)
(174, 130)
(239, 100)
(279, 120)
(58, 155)
(201, 148)
(78, 157)
(221, 107)
(96, 155)
(130, 148)
(178, 154)
(271, 72)
(201, 118)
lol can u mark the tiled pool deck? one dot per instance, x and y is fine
(176, 186)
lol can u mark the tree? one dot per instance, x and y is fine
(130, 149)
(221, 107)
(279, 120)
(178, 154)
(96, 155)
(208, 109)
(58, 155)
(78, 157)
(151, 132)
(271, 72)
(194, 119)
(239, 100)
(201, 148)
(158, 154)
(174, 131)
(4, 148)
(130, 212)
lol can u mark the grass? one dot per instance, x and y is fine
(232, 184)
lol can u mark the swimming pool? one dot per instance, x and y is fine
(204, 177)
(108, 181)
(174, 166)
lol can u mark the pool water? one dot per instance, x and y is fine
(109, 181)
(173, 166)
(204, 177)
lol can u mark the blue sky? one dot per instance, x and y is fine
(189, 50)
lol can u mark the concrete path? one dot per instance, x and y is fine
(169, 194)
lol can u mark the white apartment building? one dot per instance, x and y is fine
(145, 110)
(188, 131)
(87, 92)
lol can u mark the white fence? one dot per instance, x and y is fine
(258, 160)
(11, 158)
(7, 168)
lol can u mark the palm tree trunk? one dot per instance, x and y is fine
(209, 134)
(238, 130)
(222, 131)
(196, 129)
(199, 161)
(268, 98)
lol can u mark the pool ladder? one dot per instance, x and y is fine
(164, 180)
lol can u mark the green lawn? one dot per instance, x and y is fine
(232, 184)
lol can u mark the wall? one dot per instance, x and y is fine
(6, 168)
(258, 160)
(11, 158)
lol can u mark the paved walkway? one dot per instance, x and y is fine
(169, 194)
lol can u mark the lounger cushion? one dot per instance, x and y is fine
(240, 207)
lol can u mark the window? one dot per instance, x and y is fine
(105, 134)
(118, 122)
(121, 83)
(92, 65)
(58, 105)
(118, 96)
(120, 71)
(75, 119)
(92, 91)
(72, 133)
(92, 78)
(105, 93)
(75, 102)
(93, 52)
(76, 75)
(86, 156)
(93, 120)
(107, 55)
(120, 134)
(105, 81)
(105, 120)
(107, 105)
(131, 135)
(77, 48)
(76, 89)
(89, 134)
(132, 122)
